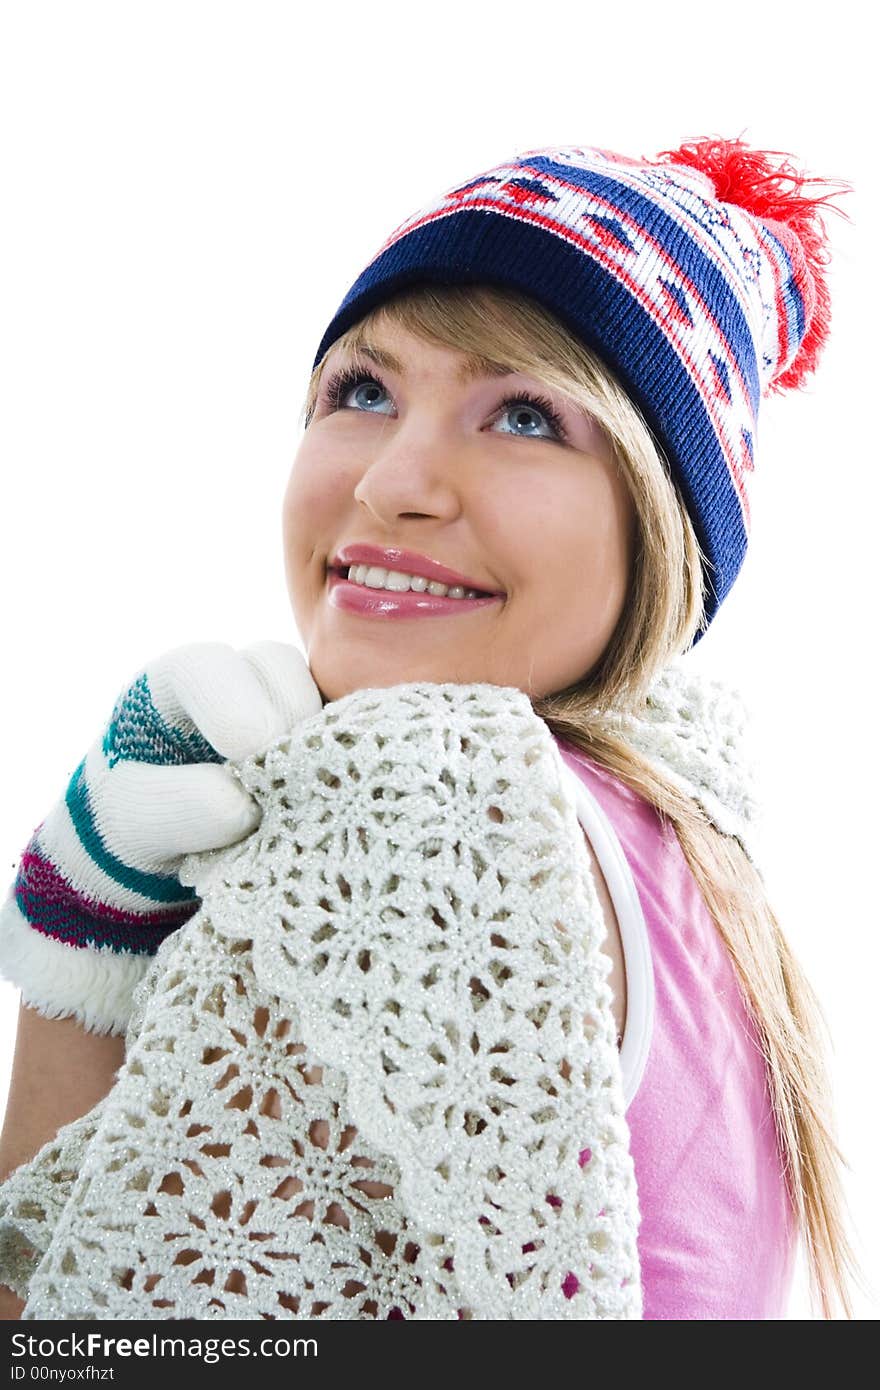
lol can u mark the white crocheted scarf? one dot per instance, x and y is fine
(376, 1075)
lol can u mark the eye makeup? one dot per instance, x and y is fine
(345, 379)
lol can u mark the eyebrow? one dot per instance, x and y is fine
(471, 369)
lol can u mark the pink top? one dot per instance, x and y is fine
(717, 1238)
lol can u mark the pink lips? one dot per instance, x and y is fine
(387, 603)
(411, 562)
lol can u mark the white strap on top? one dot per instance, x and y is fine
(635, 942)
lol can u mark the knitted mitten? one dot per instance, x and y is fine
(97, 887)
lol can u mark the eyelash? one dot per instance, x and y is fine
(347, 378)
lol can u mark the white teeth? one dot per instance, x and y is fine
(375, 577)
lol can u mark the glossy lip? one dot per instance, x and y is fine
(386, 604)
(360, 553)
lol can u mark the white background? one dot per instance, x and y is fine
(188, 192)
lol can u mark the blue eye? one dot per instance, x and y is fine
(538, 405)
(343, 382)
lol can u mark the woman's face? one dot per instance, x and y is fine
(416, 458)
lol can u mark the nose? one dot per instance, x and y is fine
(412, 474)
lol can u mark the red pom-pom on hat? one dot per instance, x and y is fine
(775, 194)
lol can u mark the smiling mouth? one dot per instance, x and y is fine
(343, 572)
(376, 604)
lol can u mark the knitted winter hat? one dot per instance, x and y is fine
(697, 277)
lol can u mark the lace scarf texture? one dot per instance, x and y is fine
(376, 1074)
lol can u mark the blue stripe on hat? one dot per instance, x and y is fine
(678, 243)
(791, 301)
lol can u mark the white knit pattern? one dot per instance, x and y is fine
(417, 907)
(416, 916)
(33, 1198)
(695, 727)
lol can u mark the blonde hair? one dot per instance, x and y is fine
(663, 611)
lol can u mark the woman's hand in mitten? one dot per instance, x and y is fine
(100, 872)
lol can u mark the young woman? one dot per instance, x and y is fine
(524, 473)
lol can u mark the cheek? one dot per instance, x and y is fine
(288, 507)
(608, 544)
(304, 532)
(588, 549)
(307, 499)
